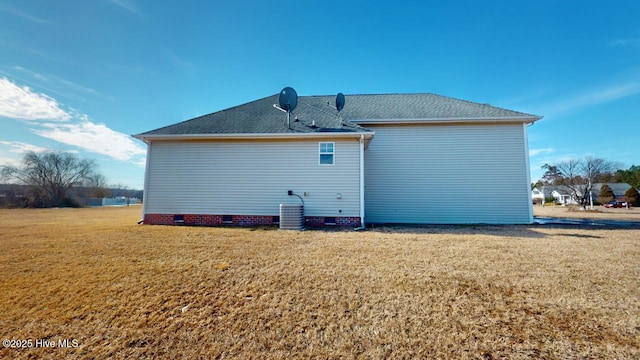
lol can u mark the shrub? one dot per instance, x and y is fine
(606, 195)
(632, 197)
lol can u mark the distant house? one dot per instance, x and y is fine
(390, 158)
(564, 195)
(539, 195)
(618, 190)
(559, 194)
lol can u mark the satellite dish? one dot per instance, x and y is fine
(288, 99)
(340, 102)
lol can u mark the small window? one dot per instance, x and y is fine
(327, 153)
(227, 219)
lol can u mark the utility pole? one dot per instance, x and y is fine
(590, 194)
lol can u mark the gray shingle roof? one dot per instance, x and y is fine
(314, 115)
(419, 106)
(618, 188)
(547, 190)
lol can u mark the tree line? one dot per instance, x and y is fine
(57, 179)
(580, 176)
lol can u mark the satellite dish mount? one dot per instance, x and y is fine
(339, 106)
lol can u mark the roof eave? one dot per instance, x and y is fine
(151, 137)
(456, 120)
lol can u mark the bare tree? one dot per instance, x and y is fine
(579, 175)
(51, 174)
(125, 191)
(97, 186)
(551, 175)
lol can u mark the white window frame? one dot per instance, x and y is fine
(332, 153)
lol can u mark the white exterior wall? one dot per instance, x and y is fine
(447, 174)
(537, 195)
(251, 177)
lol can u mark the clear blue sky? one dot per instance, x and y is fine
(84, 75)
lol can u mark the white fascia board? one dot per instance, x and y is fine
(516, 119)
(148, 138)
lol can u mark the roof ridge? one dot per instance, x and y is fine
(381, 94)
(432, 94)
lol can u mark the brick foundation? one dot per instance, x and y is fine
(321, 221)
(244, 220)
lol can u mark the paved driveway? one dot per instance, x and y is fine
(600, 223)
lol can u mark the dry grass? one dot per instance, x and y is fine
(124, 290)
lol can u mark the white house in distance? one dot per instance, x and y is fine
(387, 158)
(560, 194)
(563, 194)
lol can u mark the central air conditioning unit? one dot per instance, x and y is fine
(291, 217)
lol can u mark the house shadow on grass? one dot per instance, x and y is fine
(527, 231)
(524, 231)
(581, 236)
(530, 231)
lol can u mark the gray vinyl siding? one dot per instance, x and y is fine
(447, 174)
(251, 177)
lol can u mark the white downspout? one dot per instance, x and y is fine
(528, 170)
(362, 224)
(145, 193)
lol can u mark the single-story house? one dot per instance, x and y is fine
(539, 195)
(564, 195)
(386, 158)
(561, 194)
(618, 189)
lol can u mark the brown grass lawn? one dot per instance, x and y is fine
(126, 290)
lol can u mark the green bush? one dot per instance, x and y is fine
(605, 195)
(632, 197)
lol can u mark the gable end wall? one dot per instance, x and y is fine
(447, 174)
